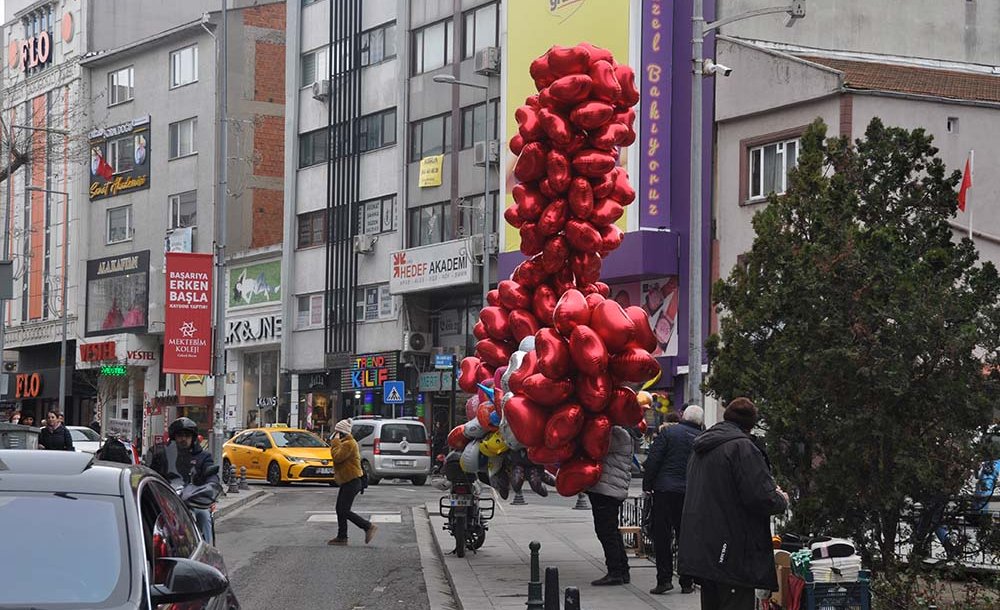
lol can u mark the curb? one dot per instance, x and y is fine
(243, 499)
(426, 514)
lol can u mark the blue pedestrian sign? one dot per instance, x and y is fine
(393, 392)
(443, 361)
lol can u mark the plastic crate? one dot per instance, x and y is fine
(839, 595)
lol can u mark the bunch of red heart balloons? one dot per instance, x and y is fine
(566, 394)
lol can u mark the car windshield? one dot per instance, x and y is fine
(67, 550)
(395, 433)
(296, 439)
(84, 434)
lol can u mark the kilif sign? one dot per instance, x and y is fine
(187, 341)
(369, 371)
(435, 266)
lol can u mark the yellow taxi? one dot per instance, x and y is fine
(279, 455)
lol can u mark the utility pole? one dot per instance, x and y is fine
(222, 72)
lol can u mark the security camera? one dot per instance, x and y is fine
(710, 68)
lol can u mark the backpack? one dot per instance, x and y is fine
(114, 451)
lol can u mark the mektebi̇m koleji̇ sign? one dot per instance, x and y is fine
(187, 341)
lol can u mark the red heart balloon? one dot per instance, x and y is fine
(532, 100)
(556, 126)
(571, 310)
(472, 406)
(623, 408)
(606, 87)
(523, 324)
(479, 331)
(495, 321)
(540, 72)
(597, 53)
(532, 240)
(586, 267)
(494, 353)
(642, 427)
(643, 336)
(553, 354)
(626, 78)
(563, 280)
(611, 238)
(546, 100)
(530, 202)
(547, 392)
(571, 89)
(516, 144)
(564, 425)
(623, 191)
(513, 295)
(529, 124)
(582, 236)
(493, 297)
(527, 420)
(606, 212)
(591, 114)
(588, 351)
(530, 273)
(634, 364)
(553, 218)
(546, 188)
(609, 137)
(578, 144)
(559, 174)
(594, 299)
(484, 374)
(596, 436)
(593, 391)
(628, 139)
(543, 304)
(531, 163)
(467, 376)
(626, 117)
(613, 325)
(568, 60)
(555, 254)
(581, 198)
(603, 288)
(529, 365)
(551, 455)
(512, 217)
(588, 162)
(456, 438)
(603, 186)
(577, 475)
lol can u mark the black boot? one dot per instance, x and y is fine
(662, 588)
(609, 580)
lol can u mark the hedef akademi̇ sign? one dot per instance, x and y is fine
(187, 341)
(436, 266)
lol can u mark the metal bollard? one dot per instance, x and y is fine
(518, 499)
(552, 589)
(535, 601)
(581, 502)
(234, 484)
(572, 598)
(243, 478)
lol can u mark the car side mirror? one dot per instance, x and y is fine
(186, 580)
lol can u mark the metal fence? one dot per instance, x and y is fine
(636, 512)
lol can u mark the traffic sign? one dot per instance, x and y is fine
(443, 361)
(393, 392)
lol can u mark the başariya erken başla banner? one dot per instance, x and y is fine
(187, 341)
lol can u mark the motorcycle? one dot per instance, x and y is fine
(466, 513)
(199, 496)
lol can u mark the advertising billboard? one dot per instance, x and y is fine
(119, 158)
(660, 298)
(187, 337)
(437, 266)
(118, 294)
(254, 284)
(655, 77)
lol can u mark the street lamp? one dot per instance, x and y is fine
(65, 273)
(487, 217)
(700, 68)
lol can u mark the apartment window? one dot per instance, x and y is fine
(433, 46)
(378, 44)
(373, 303)
(480, 29)
(182, 142)
(309, 310)
(769, 167)
(314, 66)
(121, 86)
(473, 129)
(183, 66)
(430, 137)
(314, 147)
(470, 219)
(183, 210)
(377, 130)
(430, 224)
(312, 229)
(119, 224)
(121, 154)
(377, 215)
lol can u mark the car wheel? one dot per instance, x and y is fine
(418, 481)
(226, 465)
(274, 474)
(372, 479)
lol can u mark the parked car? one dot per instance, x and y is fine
(100, 535)
(279, 455)
(84, 439)
(393, 449)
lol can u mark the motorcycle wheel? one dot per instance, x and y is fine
(458, 530)
(477, 536)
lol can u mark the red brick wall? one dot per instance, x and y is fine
(267, 218)
(269, 142)
(270, 16)
(269, 72)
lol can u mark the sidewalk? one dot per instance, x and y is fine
(497, 576)
(230, 502)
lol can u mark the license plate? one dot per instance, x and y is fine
(460, 501)
(406, 463)
(324, 471)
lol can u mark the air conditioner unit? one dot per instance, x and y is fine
(492, 148)
(488, 61)
(415, 342)
(364, 244)
(476, 245)
(321, 90)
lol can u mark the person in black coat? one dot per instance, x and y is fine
(183, 458)
(54, 436)
(665, 477)
(726, 531)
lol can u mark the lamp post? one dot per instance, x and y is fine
(487, 217)
(700, 68)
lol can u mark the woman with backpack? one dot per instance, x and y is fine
(349, 476)
(54, 435)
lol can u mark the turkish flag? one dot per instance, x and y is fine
(966, 185)
(104, 169)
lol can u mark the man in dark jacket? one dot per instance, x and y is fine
(184, 458)
(666, 478)
(725, 532)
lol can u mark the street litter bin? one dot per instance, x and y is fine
(16, 436)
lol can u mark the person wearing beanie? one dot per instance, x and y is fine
(348, 474)
(725, 525)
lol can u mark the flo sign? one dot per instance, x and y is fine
(436, 266)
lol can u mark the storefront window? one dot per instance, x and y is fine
(260, 388)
